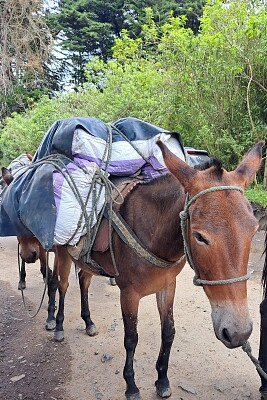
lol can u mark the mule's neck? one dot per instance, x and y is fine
(152, 210)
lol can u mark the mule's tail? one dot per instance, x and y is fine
(264, 272)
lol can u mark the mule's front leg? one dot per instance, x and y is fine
(43, 270)
(263, 347)
(22, 276)
(84, 281)
(52, 286)
(129, 307)
(165, 306)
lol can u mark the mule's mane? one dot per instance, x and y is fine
(159, 183)
(213, 163)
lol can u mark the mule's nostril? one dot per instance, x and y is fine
(226, 335)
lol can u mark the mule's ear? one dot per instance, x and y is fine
(29, 156)
(186, 175)
(248, 167)
(7, 176)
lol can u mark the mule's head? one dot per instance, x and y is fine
(220, 227)
(29, 248)
(7, 176)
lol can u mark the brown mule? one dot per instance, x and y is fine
(219, 227)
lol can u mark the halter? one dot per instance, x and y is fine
(184, 215)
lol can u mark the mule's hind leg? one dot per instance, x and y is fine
(63, 265)
(129, 308)
(52, 286)
(22, 276)
(84, 281)
(263, 347)
(165, 306)
(43, 270)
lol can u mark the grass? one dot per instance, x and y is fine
(257, 195)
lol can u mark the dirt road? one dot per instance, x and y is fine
(32, 366)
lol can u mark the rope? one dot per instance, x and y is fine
(247, 349)
(200, 282)
(100, 179)
(131, 143)
(184, 215)
(45, 287)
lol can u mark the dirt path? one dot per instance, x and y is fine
(32, 366)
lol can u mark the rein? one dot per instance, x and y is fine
(184, 215)
(45, 287)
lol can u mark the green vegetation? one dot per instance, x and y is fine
(211, 87)
(257, 194)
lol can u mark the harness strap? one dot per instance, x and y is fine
(130, 238)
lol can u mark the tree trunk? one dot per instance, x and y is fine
(265, 173)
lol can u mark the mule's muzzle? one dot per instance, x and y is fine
(232, 325)
(234, 339)
(31, 258)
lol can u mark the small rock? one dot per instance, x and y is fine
(17, 378)
(113, 327)
(187, 388)
(246, 393)
(98, 395)
(106, 357)
(221, 387)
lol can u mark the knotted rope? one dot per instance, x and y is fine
(247, 349)
(100, 179)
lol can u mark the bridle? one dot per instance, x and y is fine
(184, 215)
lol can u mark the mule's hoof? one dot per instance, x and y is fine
(263, 392)
(91, 330)
(50, 325)
(135, 396)
(59, 336)
(163, 391)
(22, 285)
(112, 281)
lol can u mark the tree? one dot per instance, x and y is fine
(211, 87)
(25, 45)
(162, 10)
(89, 27)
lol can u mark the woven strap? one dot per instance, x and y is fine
(130, 238)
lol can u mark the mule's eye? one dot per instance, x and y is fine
(200, 238)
